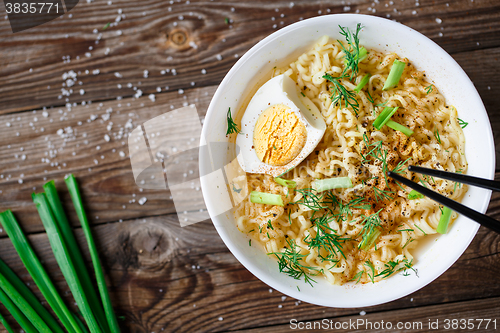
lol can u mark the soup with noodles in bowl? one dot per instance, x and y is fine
(317, 133)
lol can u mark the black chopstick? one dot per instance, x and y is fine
(458, 177)
(480, 218)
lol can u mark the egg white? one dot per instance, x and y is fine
(278, 90)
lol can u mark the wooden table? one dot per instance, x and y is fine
(163, 277)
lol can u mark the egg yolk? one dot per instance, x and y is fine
(279, 135)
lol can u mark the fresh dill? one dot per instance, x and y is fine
(357, 277)
(352, 53)
(399, 167)
(377, 152)
(370, 98)
(369, 264)
(370, 223)
(429, 89)
(106, 26)
(289, 262)
(437, 136)
(416, 226)
(310, 199)
(462, 123)
(268, 237)
(325, 238)
(302, 94)
(401, 230)
(380, 195)
(231, 125)
(382, 104)
(270, 225)
(250, 242)
(396, 266)
(408, 242)
(342, 93)
(226, 20)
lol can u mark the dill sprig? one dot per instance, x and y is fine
(352, 54)
(380, 195)
(370, 224)
(428, 89)
(326, 237)
(342, 93)
(310, 199)
(395, 266)
(289, 262)
(462, 123)
(437, 136)
(399, 167)
(358, 276)
(377, 152)
(231, 125)
(369, 264)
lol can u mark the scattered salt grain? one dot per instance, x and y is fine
(362, 313)
(203, 71)
(152, 97)
(121, 153)
(146, 73)
(438, 20)
(220, 319)
(142, 201)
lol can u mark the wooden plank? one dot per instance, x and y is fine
(38, 147)
(178, 279)
(191, 38)
(33, 156)
(456, 317)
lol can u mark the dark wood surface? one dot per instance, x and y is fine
(163, 277)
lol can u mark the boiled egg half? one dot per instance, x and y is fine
(279, 129)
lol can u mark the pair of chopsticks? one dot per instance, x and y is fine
(480, 218)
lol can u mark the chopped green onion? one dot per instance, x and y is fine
(444, 220)
(321, 185)
(285, 182)
(398, 127)
(26, 293)
(6, 324)
(368, 241)
(394, 75)
(19, 315)
(384, 116)
(362, 83)
(266, 198)
(363, 53)
(63, 258)
(74, 252)
(94, 254)
(415, 195)
(37, 272)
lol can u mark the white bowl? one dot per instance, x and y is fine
(433, 257)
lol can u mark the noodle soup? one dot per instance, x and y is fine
(366, 232)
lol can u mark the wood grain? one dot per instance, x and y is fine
(36, 153)
(191, 38)
(163, 277)
(185, 280)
